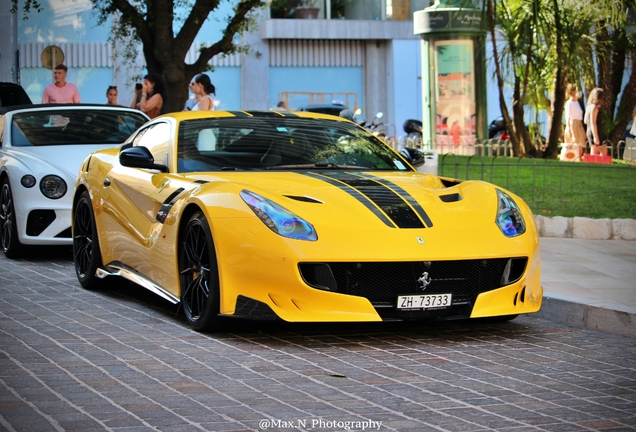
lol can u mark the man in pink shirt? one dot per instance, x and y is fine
(60, 91)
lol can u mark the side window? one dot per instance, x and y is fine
(141, 133)
(156, 139)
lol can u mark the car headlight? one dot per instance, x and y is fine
(509, 218)
(53, 187)
(279, 219)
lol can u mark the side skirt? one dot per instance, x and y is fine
(121, 270)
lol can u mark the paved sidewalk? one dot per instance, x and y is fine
(590, 283)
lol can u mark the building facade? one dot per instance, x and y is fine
(360, 52)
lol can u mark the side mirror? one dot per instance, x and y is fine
(413, 156)
(139, 157)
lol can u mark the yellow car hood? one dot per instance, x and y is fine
(385, 209)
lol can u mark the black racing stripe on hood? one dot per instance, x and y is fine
(354, 193)
(404, 194)
(391, 204)
(387, 199)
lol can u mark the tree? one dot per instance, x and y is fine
(519, 23)
(615, 56)
(596, 50)
(547, 43)
(570, 31)
(166, 30)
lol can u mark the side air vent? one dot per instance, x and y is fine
(304, 199)
(450, 182)
(38, 221)
(318, 275)
(451, 197)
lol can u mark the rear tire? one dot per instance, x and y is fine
(198, 275)
(9, 242)
(86, 254)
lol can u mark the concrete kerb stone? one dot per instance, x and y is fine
(624, 229)
(586, 228)
(589, 317)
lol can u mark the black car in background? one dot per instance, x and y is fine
(327, 108)
(12, 94)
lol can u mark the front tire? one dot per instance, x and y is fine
(86, 254)
(198, 274)
(9, 242)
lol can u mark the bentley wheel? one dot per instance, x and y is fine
(11, 246)
(86, 253)
(198, 275)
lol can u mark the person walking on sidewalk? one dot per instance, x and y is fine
(594, 122)
(60, 91)
(574, 131)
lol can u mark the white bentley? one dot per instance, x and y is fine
(42, 148)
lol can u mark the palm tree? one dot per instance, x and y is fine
(547, 43)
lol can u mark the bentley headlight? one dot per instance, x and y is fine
(279, 219)
(53, 187)
(509, 218)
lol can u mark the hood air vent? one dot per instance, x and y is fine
(304, 199)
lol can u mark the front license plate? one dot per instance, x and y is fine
(424, 301)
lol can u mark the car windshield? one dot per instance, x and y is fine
(280, 143)
(74, 126)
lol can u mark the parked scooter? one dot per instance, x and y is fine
(413, 128)
(498, 130)
(375, 126)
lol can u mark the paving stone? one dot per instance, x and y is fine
(120, 359)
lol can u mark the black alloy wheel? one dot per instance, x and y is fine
(86, 254)
(198, 275)
(11, 246)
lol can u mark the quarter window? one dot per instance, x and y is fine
(156, 139)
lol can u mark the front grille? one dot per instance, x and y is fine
(382, 282)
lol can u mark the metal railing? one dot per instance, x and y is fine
(549, 187)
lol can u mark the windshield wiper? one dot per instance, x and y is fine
(325, 165)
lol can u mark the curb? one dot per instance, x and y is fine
(586, 228)
(588, 317)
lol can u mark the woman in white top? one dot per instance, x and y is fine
(202, 87)
(574, 131)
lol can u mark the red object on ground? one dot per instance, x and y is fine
(597, 159)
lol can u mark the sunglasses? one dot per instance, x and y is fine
(112, 87)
